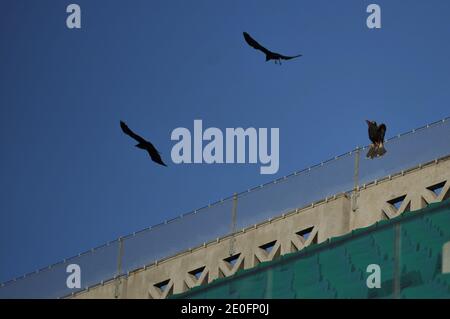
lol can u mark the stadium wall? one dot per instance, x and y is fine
(380, 200)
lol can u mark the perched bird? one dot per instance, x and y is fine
(143, 144)
(269, 54)
(376, 136)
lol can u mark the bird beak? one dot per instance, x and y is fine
(368, 122)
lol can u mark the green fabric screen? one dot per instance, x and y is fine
(337, 268)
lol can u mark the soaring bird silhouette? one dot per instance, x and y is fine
(143, 144)
(269, 54)
(376, 136)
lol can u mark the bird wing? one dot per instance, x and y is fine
(252, 42)
(157, 159)
(130, 133)
(284, 57)
(381, 132)
(154, 153)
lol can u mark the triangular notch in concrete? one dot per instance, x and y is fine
(162, 285)
(268, 247)
(397, 202)
(231, 261)
(305, 233)
(437, 188)
(197, 272)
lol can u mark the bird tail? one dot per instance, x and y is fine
(381, 150)
(377, 150)
(372, 152)
(291, 57)
(267, 57)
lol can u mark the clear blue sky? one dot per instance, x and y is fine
(70, 180)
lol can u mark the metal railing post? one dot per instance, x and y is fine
(233, 223)
(355, 192)
(119, 269)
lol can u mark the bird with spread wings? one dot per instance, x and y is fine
(143, 144)
(269, 54)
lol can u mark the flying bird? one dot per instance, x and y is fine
(269, 54)
(376, 136)
(143, 144)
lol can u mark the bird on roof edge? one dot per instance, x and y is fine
(376, 136)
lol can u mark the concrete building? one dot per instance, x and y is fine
(380, 200)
